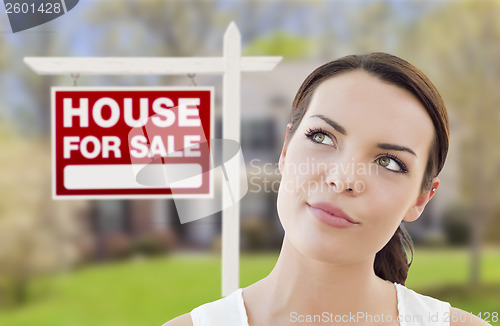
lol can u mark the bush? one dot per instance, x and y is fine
(156, 243)
(118, 246)
(457, 225)
(492, 235)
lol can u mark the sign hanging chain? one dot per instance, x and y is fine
(75, 78)
(191, 77)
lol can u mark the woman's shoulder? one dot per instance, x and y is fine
(413, 304)
(229, 310)
(460, 317)
(183, 320)
(411, 301)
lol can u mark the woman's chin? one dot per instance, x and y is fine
(321, 248)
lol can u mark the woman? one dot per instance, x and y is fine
(368, 137)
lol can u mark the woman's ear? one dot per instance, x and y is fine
(283, 150)
(416, 210)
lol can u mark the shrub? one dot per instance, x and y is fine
(456, 224)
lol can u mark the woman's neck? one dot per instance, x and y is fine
(300, 285)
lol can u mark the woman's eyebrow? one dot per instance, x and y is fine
(396, 148)
(332, 123)
(341, 129)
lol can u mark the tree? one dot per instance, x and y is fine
(37, 235)
(460, 44)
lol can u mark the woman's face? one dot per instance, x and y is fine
(360, 153)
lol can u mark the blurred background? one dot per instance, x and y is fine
(130, 262)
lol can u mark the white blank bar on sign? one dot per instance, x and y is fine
(124, 176)
(143, 65)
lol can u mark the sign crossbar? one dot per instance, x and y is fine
(144, 65)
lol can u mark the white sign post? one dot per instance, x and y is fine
(231, 64)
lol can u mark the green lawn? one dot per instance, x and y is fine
(443, 273)
(153, 291)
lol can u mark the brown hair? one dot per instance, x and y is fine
(391, 262)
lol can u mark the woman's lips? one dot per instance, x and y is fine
(331, 215)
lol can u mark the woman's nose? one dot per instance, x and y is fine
(343, 177)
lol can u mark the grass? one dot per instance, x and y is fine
(444, 274)
(153, 291)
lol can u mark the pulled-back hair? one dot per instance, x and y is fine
(391, 262)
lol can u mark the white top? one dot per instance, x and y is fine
(413, 309)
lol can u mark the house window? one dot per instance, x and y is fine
(258, 135)
(111, 216)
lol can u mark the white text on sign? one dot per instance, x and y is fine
(107, 112)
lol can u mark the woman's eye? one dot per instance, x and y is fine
(321, 138)
(391, 164)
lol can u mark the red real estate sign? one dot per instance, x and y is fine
(131, 142)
